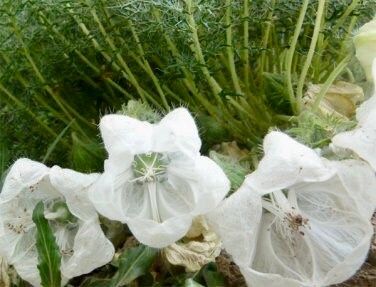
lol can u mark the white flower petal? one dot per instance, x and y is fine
(361, 140)
(205, 183)
(159, 235)
(125, 134)
(91, 250)
(236, 221)
(177, 132)
(27, 269)
(74, 186)
(107, 199)
(24, 173)
(328, 249)
(285, 163)
(360, 182)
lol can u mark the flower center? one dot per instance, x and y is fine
(60, 213)
(149, 167)
(288, 221)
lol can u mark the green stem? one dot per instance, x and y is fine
(291, 52)
(245, 52)
(311, 51)
(196, 49)
(229, 48)
(333, 75)
(21, 105)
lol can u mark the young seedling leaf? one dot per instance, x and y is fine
(48, 251)
(133, 263)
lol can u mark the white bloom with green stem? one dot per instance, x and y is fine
(310, 219)
(362, 139)
(74, 221)
(155, 179)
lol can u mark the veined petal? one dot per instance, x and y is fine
(159, 235)
(24, 173)
(236, 221)
(177, 131)
(202, 182)
(285, 163)
(361, 140)
(125, 134)
(27, 269)
(107, 197)
(359, 179)
(74, 186)
(91, 250)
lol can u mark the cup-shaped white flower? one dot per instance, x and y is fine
(362, 139)
(83, 246)
(365, 46)
(155, 179)
(314, 229)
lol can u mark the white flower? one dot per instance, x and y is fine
(365, 46)
(314, 229)
(73, 219)
(155, 179)
(362, 140)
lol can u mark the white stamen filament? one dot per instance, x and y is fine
(152, 192)
(287, 218)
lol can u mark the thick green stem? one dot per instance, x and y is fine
(291, 52)
(333, 75)
(311, 51)
(196, 49)
(245, 52)
(230, 49)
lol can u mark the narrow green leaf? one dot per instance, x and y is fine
(133, 263)
(48, 251)
(52, 147)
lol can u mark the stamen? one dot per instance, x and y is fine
(149, 167)
(288, 221)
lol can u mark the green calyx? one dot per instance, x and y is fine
(149, 167)
(60, 213)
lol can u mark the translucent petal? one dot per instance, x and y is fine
(159, 235)
(24, 173)
(359, 179)
(91, 250)
(177, 132)
(236, 221)
(125, 134)
(74, 186)
(285, 163)
(327, 249)
(27, 269)
(205, 183)
(361, 140)
(107, 197)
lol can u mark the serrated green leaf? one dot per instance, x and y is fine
(48, 251)
(191, 283)
(133, 263)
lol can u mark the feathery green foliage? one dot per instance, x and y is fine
(243, 63)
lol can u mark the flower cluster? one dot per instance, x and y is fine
(298, 220)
